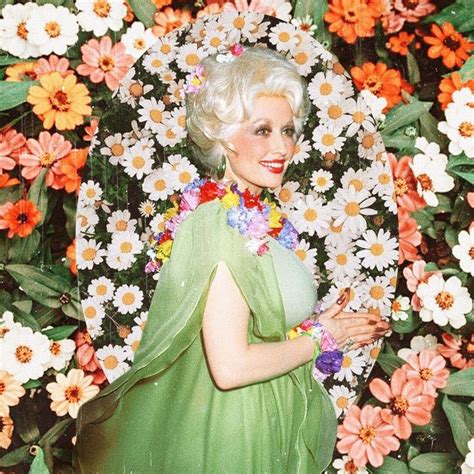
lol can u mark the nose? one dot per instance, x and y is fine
(278, 144)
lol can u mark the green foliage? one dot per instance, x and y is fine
(461, 420)
(144, 11)
(433, 463)
(391, 466)
(404, 114)
(389, 363)
(14, 93)
(460, 383)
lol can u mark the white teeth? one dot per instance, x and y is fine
(273, 165)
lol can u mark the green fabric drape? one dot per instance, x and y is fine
(166, 415)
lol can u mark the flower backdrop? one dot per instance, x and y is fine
(66, 65)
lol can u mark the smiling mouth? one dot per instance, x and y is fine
(275, 166)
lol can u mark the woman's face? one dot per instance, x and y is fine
(264, 145)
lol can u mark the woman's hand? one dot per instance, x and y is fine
(355, 329)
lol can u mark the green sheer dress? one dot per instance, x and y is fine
(166, 415)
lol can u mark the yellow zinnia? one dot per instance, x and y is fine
(60, 101)
(21, 72)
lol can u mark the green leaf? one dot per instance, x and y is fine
(456, 161)
(434, 463)
(431, 267)
(24, 305)
(391, 466)
(60, 332)
(456, 13)
(41, 285)
(23, 249)
(69, 207)
(404, 115)
(399, 141)
(14, 93)
(460, 383)
(17, 456)
(389, 363)
(469, 177)
(467, 70)
(461, 420)
(38, 194)
(38, 466)
(54, 433)
(25, 318)
(429, 130)
(407, 326)
(451, 236)
(26, 423)
(144, 10)
(413, 69)
(32, 384)
(7, 60)
(423, 218)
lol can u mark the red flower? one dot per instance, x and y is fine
(406, 404)
(20, 218)
(366, 436)
(430, 369)
(252, 200)
(210, 191)
(459, 351)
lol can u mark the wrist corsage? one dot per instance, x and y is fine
(327, 357)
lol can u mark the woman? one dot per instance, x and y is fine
(216, 385)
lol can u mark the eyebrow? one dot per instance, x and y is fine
(290, 123)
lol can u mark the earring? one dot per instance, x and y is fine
(219, 171)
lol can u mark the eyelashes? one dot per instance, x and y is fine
(265, 131)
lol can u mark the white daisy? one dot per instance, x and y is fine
(61, 353)
(305, 24)
(115, 148)
(167, 76)
(336, 112)
(359, 179)
(400, 306)
(175, 123)
(7, 323)
(342, 262)
(86, 219)
(259, 29)
(128, 299)
(283, 36)
(352, 364)
(99, 16)
(327, 138)
(52, 29)
(157, 224)
(214, 41)
(238, 24)
(90, 192)
(159, 184)
(337, 290)
(287, 195)
(360, 117)
(184, 171)
(307, 255)
(310, 215)
(167, 135)
(93, 311)
(322, 181)
(380, 175)
(146, 208)
(138, 161)
(390, 202)
(302, 149)
(137, 39)
(101, 289)
(377, 293)
(392, 275)
(122, 251)
(326, 87)
(120, 221)
(464, 251)
(304, 57)
(155, 62)
(335, 235)
(152, 112)
(349, 207)
(89, 253)
(112, 360)
(132, 342)
(346, 465)
(166, 46)
(375, 104)
(189, 56)
(25, 354)
(380, 250)
(444, 301)
(342, 398)
(418, 344)
(14, 36)
(131, 89)
(370, 144)
(141, 320)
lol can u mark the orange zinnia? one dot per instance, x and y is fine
(71, 255)
(379, 80)
(6, 181)
(21, 72)
(169, 19)
(60, 101)
(451, 84)
(399, 44)
(351, 19)
(448, 44)
(21, 218)
(69, 166)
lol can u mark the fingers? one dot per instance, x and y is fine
(338, 306)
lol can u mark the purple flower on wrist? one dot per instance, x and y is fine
(329, 362)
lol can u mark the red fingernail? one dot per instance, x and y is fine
(344, 295)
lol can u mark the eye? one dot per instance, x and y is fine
(289, 131)
(264, 131)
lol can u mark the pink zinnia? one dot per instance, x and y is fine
(406, 404)
(414, 275)
(104, 61)
(429, 367)
(52, 64)
(86, 357)
(410, 237)
(458, 350)
(45, 153)
(413, 10)
(365, 436)
(405, 183)
(11, 142)
(244, 6)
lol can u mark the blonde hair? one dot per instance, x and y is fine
(227, 94)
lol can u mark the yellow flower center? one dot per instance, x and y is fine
(90, 312)
(90, 193)
(301, 254)
(101, 290)
(136, 89)
(358, 117)
(376, 249)
(215, 42)
(352, 209)
(126, 247)
(368, 141)
(377, 292)
(157, 63)
(334, 112)
(401, 186)
(341, 259)
(310, 215)
(399, 405)
(328, 139)
(128, 298)
(321, 181)
(139, 43)
(374, 84)
(444, 299)
(185, 177)
(21, 30)
(110, 362)
(138, 162)
(165, 48)
(426, 373)
(466, 129)
(120, 226)
(156, 115)
(301, 58)
(284, 37)
(239, 23)
(342, 402)
(192, 59)
(396, 306)
(367, 434)
(53, 29)
(384, 178)
(60, 101)
(135, 345)
(89, 254)
(101, 8)
(357, 183)
(425, 182)
(160, 185)
(73, 394)
(47, 158)
(346, 362)
(284, 195)
(325, 88)
(23, 354)
(55, 348)
(106, 63)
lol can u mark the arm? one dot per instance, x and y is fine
(234, 362)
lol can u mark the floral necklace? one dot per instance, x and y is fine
(257, 220)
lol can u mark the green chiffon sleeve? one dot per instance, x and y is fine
(175, 317)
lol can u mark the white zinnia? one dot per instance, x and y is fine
(444, 301)
(61, 353)
(400, 306)
(464, 251)
(99, 16)
(418, 344)
(137, 39)
(25, 353)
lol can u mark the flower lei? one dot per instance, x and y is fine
(255, 219)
